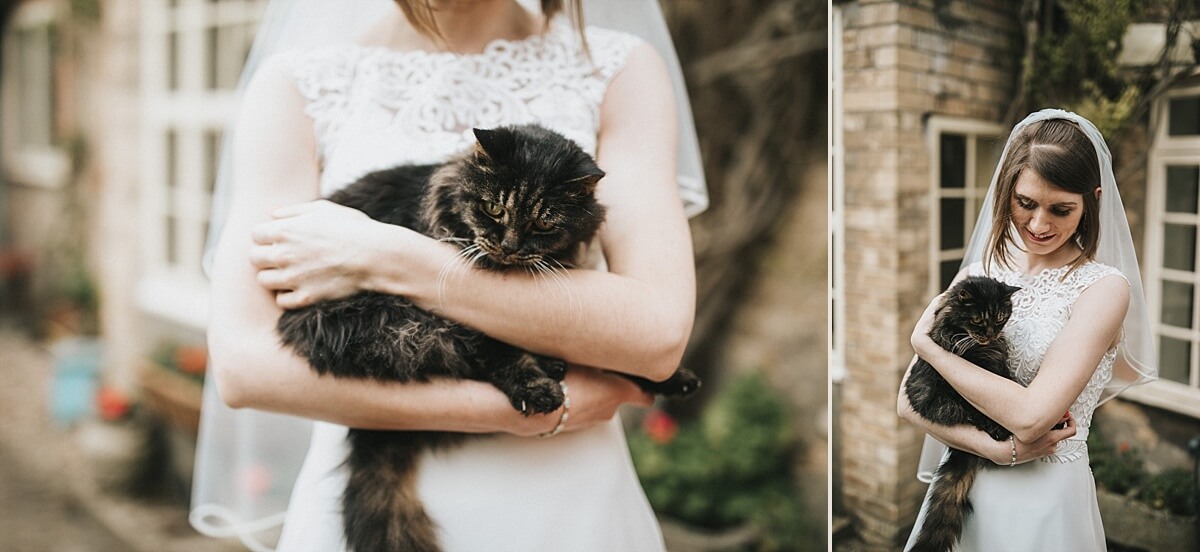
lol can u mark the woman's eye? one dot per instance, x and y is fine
(492, 208)
(1060, 212)
(543, 225)
(1025, 204)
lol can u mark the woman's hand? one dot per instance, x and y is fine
(1042, 446)
(312, 251)
(920, 339)
(595, 397)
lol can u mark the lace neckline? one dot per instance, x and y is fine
(495, 47)
(1057, 271)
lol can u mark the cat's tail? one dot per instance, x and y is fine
(949, 503)
(381, 510)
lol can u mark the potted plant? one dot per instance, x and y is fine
(172, 383)
(1140, 509)
(724, 481)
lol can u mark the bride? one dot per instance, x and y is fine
(408, 89)
(1053, 224)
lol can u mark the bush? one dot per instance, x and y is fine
(733, 465)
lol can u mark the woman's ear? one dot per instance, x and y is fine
(1097, 192)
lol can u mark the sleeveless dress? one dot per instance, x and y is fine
(374, 108)
(1048, 504)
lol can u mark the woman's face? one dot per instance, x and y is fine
(1045, 215)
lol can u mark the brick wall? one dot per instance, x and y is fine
(904, 61)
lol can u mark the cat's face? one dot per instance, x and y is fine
(981, 306)
(528, 197)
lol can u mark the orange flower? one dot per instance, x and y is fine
(112, 404)
(660, 426)
(191, 359)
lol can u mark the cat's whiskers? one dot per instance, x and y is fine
(962, 344)
(466, 257)
(560, 276)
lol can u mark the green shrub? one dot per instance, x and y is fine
(733, 465)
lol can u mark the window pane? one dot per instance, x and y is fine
(954, 160)
(1181, 188)
(1175, 356)
(1184, 116)
(172, 236)
(947, 270)
(1177, 300)
(211, 46)
(172, 154)
(173, 61)
(1179, 246)
(952, 223)
(987, 154)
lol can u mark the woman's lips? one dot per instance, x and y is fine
(1036, 238)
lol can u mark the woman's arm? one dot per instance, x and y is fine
(275, 164)
(975, 441)
(1029, 412)
(636, 318)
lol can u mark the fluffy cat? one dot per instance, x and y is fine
(969, 323)
(522, 199)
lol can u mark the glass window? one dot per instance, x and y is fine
(1177, 303)
(1179, 247)
(1175, 357)
(1183, 117)
(965, 158)
(1182, 181)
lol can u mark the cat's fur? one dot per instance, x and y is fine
(968, 322)
(523, 199)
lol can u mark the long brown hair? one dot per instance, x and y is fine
(420, 15)
(1059, 152)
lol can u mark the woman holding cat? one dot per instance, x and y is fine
(409, 90)
(1053, 224)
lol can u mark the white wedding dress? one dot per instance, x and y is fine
(375, 108)
(1049, 504)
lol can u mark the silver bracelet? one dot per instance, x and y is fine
(566, 413)
(1013, 441)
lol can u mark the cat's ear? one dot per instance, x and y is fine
(1009, 290)
(588, 179)
(963, 294)
(496, 144)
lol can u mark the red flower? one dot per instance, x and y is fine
(1123, 447)
(112, 404)
(191, 359)
(660, 426)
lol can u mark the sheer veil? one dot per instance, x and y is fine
(247, 460)
(1136, 351)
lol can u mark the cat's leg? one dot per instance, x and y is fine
(521, 377)
(683, 383)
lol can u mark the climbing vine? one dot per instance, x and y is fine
(1071, 58)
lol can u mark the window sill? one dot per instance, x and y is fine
(1167, 395)
(175, 296)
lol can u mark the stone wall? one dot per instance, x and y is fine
(903, 62)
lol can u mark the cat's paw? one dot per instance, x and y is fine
(537, 396)
(682, 384)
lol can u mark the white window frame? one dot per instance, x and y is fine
(25, 162)
(178, 99)
(973, 129)
(1167, 150)
(836, 268)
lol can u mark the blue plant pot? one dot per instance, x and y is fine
(76, 373)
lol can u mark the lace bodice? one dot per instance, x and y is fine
(1040, 310)
(373, 107)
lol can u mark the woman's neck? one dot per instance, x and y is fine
(465, 26)
(1063, 256)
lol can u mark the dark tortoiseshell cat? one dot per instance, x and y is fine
(968, 323)
(523, 198)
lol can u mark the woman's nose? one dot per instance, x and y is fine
(1039, 223)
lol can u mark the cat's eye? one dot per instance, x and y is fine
(543, 225)
(492, 208)
(976, 319)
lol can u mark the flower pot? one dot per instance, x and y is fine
(681, 537)
(1131, 523)
(174, 396)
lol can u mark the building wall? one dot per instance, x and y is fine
(904, 61)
